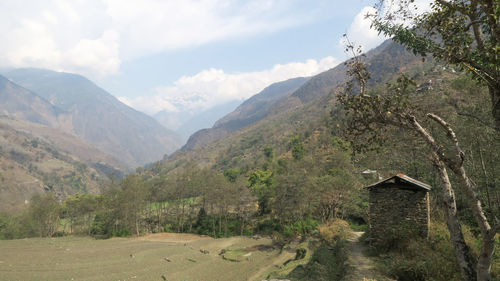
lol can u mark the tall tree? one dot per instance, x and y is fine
(44, 212)
(370, 112)
(462, 32)
(132, 201)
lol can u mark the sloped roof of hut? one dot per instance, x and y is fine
(402, 179)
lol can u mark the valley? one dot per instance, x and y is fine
(385, 166)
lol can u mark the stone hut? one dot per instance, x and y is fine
(398, 204)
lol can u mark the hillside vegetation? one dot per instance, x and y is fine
(297, 169)
(33, 160)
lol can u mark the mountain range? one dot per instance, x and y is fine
(75, 105)
(71, 135)
(249, 112)
(293, 94)
(61, 132)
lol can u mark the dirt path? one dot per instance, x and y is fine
(360, 266)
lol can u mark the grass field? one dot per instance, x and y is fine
(143, 258)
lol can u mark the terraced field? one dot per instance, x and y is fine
(155, 257)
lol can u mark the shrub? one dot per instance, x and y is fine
(303, 227)
(102, 226)
(168, 228)
(423, 259)
(268, 226)
(397, 238)
(327, 263)
(121, 232)
(334, 231)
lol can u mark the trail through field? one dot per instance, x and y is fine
(360, 266)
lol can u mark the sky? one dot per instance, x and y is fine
(182, 56)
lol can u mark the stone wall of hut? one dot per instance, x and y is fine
(395, 210)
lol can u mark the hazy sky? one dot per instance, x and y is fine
(181, 54)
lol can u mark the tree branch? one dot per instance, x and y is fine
(458, 169)
(460, 156)
(478, 119)
(495, 229)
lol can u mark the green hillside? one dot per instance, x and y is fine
(297, 173)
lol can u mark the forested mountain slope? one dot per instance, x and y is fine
(249, 112)
(35, 158)
(382, 62)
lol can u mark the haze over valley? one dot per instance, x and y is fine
(250, 140)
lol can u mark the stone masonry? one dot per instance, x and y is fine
(397, 207)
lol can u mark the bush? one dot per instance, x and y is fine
(327, 263)
(355, 226)
(303, 227)
(334, 231)
(268, 226)
(102, 226)
(397, 239)
(168, 228)
(121, 232)
(423, 259)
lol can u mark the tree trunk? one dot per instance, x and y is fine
(242, 224)
(137, 226)
(495, 103)
(487, 232)
(462, 250)
(225, 223)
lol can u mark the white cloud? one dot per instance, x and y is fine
(412, 9)
(214, 86)
(93, 37)
(360, 33)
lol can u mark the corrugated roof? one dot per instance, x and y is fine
(403, 178)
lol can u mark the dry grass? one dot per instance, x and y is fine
(145, 258)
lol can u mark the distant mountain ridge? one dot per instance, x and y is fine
(250, 111)
(382, 62)
(23, 104)
(300, 114)
(186, 124)
(98, 117)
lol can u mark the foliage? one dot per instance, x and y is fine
(421, 259)
(334, 231)
(261, 186)
(304, 227)
(327, 263)
(102, 226)
(460, 32)
(444, 154)
(268, 226)
(231, 174)
(13, 227)
(44, 214)
(297, 148)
